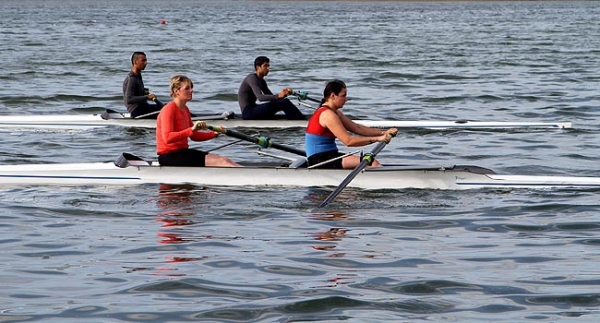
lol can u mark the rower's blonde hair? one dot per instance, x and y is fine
(177, 82)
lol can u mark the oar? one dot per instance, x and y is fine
(262, 141)
(158, 102)
(366, 160)
(304, 96)
(147, 115)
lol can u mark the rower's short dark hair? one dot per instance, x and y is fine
(136, 55)
(260, 60)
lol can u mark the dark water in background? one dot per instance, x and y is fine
(157, 254)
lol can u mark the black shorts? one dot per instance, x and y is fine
(149, 111)
(321, 157)
(184, 158)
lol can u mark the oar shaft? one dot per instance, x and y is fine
(366, 160)
(344, 183)
(291, 150)
(304, 96)
(314, 100)
(147, 115)
(378, 148)
(261, 141)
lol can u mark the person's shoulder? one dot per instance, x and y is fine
(251, 76)
(168, 110)
(330, 114)
(133, 75)
(169, 106)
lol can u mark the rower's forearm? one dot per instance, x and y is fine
(356, 141)
(370, 132)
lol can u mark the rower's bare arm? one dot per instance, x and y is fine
(334, 123)
(358, 128)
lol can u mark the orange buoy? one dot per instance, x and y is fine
(163, 22)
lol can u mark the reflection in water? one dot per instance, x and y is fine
(171, 238)
(318, 195)
(178, 203)
(331, 216)
(177, 196)
(169, 222)
(185, 259)
(334, 234)
(175, 200)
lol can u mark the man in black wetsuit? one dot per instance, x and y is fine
(254, 87)
(135, 95)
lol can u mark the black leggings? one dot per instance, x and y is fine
(143, 110)
(184, 158)
(267, 111)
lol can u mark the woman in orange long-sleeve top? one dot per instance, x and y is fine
(174, 126)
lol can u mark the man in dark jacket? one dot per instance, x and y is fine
(254, 87)
(135, 95)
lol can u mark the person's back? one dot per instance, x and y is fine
(249, 87)
(133, 92)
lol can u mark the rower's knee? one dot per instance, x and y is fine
(226, 161)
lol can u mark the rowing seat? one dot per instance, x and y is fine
(301, 162)
(127, 159)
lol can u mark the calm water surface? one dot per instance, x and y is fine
(185, 254)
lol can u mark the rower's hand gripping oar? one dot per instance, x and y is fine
(262, 141)
(155, 98)
(159, 104)
(367, 159)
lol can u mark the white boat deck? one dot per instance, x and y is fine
(86, 121)
(387, 177)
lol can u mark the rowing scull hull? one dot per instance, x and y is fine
(97, 121)
(387, 177)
